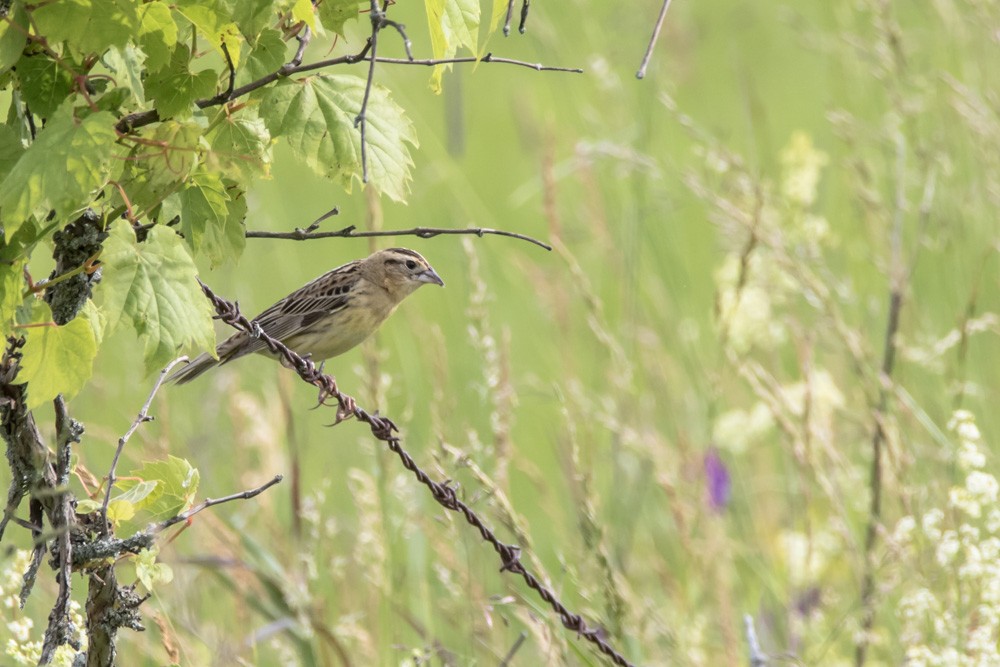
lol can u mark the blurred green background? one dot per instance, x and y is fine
(727, 231)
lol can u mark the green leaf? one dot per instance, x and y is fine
(11, 149)
(212, 223)
(333, 14)
(157, 33)
(13, 36)
(267, 56)
(176, 485)
(127, 66)
(316, 116)
(45, 84)
(175, 88)
(241, 146)
(214, 21)
(153, 284)
(452, 24)
(12, 285)
(302, 10)
(150, 572)
(57, 359)
(61, 171)
(89, 26)
(124, 506)
(151, 175)
(253, 17)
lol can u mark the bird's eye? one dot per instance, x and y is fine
(410, 264)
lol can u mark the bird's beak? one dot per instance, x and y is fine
(430, 276)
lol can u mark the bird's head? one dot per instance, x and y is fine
(400, 271)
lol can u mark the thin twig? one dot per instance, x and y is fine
(488, 58)
(141, 418)
(384, 429)
(652, 40)
(303, 37)
(210, 502)
(142, 118)
(514, 649)
(506, 21)
(524, 16)
(351, 232)
(361, 120)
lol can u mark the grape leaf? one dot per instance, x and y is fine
(11, 149)
(57, 359)
(153, 284)
(241, 146)
(175, 88)
(176, 485)
(157, 33)
(212, 223)
(90, 26)
(267, 56)
(149, 571)
(127, 66)
(13, 36)
(12, 285)
(316, 116)
(45, 84)
(333, 14)
(452, 23)
(61, 170)
(214, 21)
(151, 174)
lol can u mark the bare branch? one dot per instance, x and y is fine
(506, 21)
(351, 232)
(304, 37)
(384, 429)
(141, 418)
(142, 118)
(209, 502)
(488, 58)
(60, 629)
(377, 17)
(524, 16)
(652, 40)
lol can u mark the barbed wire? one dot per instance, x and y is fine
(385, 430)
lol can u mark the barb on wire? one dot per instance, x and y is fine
(141, 418)
(385, 430)
(652, 40)
(351, 232)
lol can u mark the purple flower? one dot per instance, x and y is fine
(716, 480)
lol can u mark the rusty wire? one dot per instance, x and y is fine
(384, 429)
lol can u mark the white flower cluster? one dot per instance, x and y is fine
(951, 614)
(22, 647)
(752, 288)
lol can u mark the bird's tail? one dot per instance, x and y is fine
(203, 362)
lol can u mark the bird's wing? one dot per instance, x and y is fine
(300, 309)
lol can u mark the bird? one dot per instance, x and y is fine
(330, 315)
